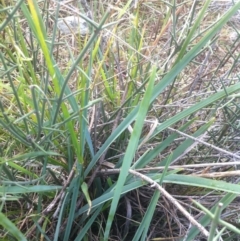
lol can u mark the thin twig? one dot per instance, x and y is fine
(117, 170)
(59, 196)
(203, 67)
(198, 140)
(172, 200)
(219, 174)
(50, 207)
(205, 143)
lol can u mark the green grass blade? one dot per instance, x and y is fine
(57, 231)
(75, 184)
(215, 222)
(8, 225)
(205, 220)
(193, 30)
(210, 100)
(84, 188)
(144, 226)
(131, 149)
(88, 225)
(28, 189)
(188, 142)
(148, 157)
(202, 182)
(29, 155)
(10, 15)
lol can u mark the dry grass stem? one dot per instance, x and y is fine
(172, 200)
(180, 167)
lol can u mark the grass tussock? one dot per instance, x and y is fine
(126, 131)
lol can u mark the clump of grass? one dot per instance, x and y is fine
(99, 131)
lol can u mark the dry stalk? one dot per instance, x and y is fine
(50, 207)
(117, 170)
(219, 174)
(198, 140)
(172, 200)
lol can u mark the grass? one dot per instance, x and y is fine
(127, 133)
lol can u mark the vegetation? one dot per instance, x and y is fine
(129, 132)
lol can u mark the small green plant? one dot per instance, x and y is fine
(88, 122)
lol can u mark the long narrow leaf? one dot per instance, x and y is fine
(131, 149)
(28, 189)
(8, 225)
